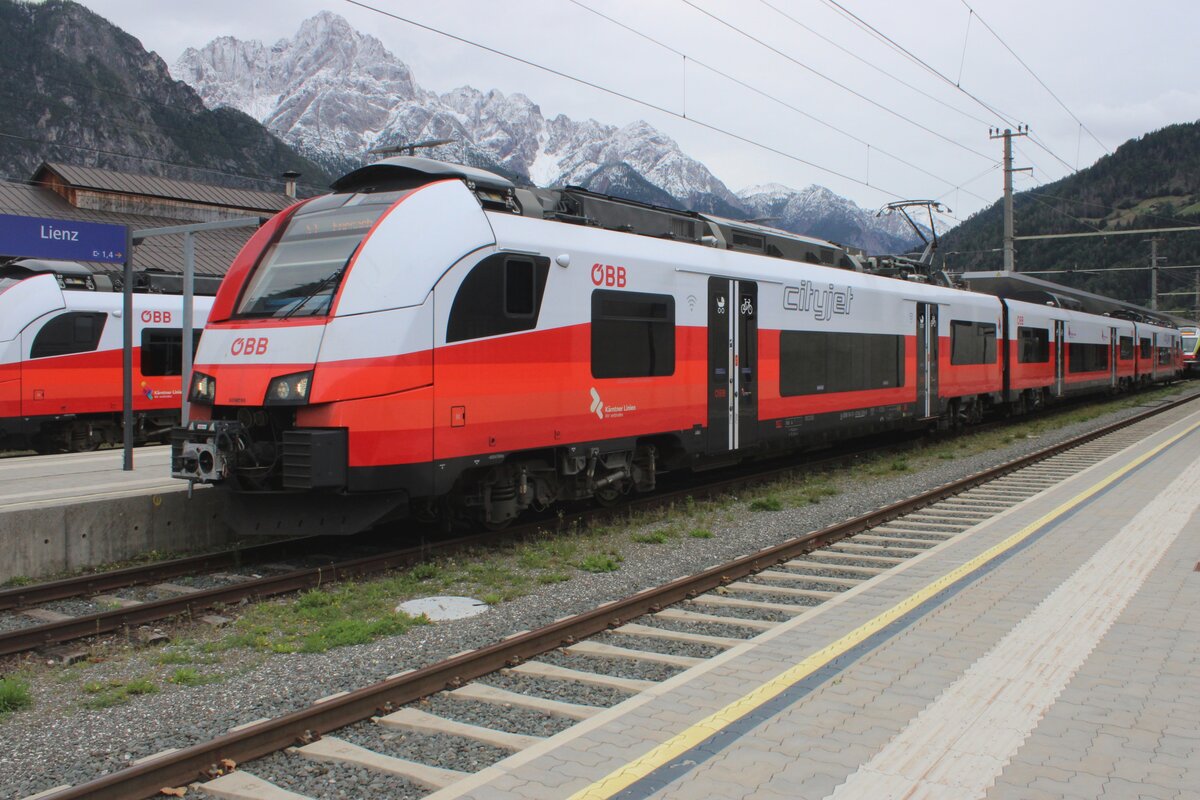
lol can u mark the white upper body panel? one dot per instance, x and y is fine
(23, 302)
(792, 295)
(412, 246)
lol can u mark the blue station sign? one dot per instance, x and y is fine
(61, 239)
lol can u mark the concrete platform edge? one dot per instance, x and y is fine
(51, 539)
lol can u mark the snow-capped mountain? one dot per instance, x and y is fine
(838, 219)
(334, 94)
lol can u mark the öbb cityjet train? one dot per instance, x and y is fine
(61, 340)
(430, 340)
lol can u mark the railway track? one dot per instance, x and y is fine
(575, 667)
(53, 613)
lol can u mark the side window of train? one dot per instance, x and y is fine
(817, 362)
(972, 342)
(1126, 348)
(162, 350)
(1087, 357)
(74, 332)
(1144, 348)
(501, 294)
(1033, 345)
(633, 334)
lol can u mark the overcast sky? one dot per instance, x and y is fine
(1121, 68)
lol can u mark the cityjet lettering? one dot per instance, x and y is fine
(821, 301)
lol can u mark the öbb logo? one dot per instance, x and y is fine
(156, 317)
(608, 275)
(249, 346)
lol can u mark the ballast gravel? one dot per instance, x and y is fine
(498, 717)
(703, 628)
(567, 691)
(16, 622)
(59, 741)
(615, 667)
(435, 749)
(667, 647)
(322, 781)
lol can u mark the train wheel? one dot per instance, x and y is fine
(609, 495)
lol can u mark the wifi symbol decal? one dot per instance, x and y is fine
(692, 302)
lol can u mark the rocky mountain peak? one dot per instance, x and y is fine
(335, 93)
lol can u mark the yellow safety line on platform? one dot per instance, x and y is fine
(664, 753)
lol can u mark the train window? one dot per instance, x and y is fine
(501, 294)
(162, 350)
(1126, 348)
(1164, 355)
(1033, 345)
(1087, 357)
(972, 342)
(520, 288)
(818, 362)
(75, 332)
(1144, 349)
(299, 274)
(633, 334)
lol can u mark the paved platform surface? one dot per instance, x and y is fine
(1052, 652)
(32, 481)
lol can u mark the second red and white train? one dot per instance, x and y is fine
(431, 340)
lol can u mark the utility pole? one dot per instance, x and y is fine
(1154, 259)
(1006, 135)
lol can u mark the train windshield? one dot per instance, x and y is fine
(300, 273)
(1189, 343)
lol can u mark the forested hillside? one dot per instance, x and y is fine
(79, 90)
(1149, 182)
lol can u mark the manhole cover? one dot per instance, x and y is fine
(441, 608)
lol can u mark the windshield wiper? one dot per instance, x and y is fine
(321, 284)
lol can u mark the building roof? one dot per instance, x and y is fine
(215, 250)
(107, 180)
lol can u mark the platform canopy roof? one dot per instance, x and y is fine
(1015, 286)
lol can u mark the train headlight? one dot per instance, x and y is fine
(204, 388)
(289, 390)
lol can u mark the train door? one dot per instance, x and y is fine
(1060, 351)
(927, 359)
(732, 364)
(1154, 356)
(1112, 357)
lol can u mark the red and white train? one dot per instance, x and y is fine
(1191, 348)
(428, 339)
(60, 362)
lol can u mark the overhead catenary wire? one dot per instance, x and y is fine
(622, 95)
(879, 35)
(870, 64)
(691, 59)
(1036, 77)
(837, 83)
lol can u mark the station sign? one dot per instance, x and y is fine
(62, 239)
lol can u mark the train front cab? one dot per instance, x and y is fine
(1190, 345)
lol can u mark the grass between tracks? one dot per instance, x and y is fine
(358, 612)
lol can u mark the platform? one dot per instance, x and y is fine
(65, 512)
(1051, 652)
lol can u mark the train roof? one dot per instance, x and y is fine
(1015, 286)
